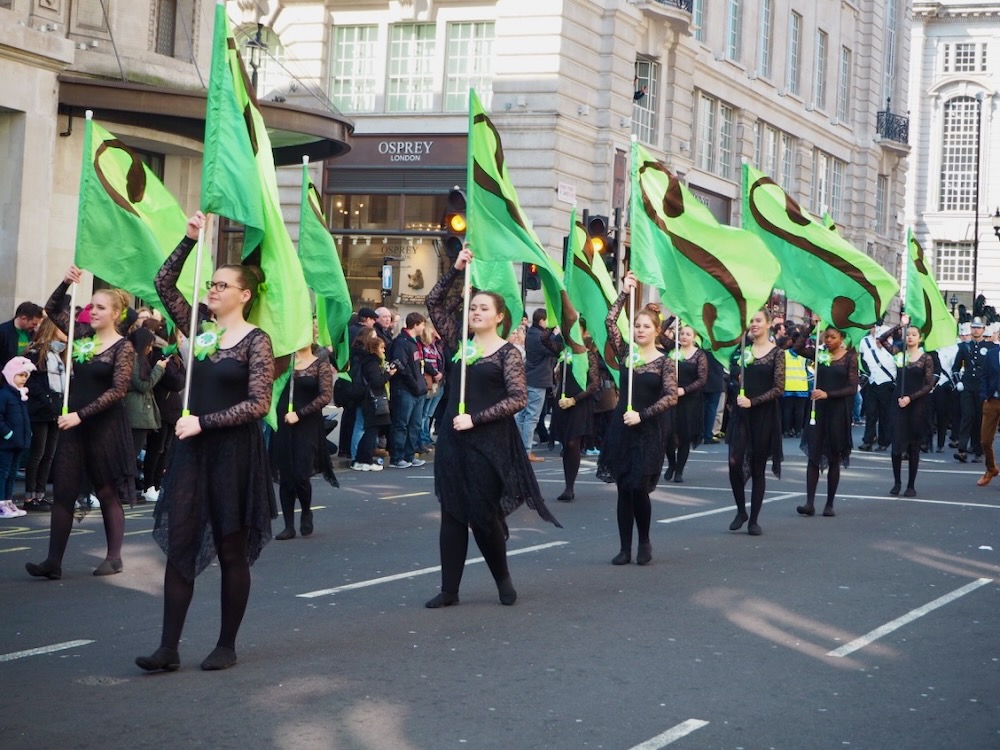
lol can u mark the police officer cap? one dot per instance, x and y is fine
(977, 323)
(964, 330)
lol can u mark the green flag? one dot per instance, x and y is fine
(924, 303)
(239, 182)
(819, 268)
(323, 273)
(713, 277)
(230, 186)
(128, 222)
(590, 287)
(499, 232)
(498, 277)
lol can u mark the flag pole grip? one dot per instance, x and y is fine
(291, 384)
(631, 345)
(193, 331)
(69, 346)
(463, 338)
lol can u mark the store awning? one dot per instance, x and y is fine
(295, 131)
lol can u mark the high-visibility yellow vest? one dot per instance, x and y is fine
(796, 380)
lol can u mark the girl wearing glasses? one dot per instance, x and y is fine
(96, 440)
(217, 497)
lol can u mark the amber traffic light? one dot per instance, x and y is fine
(454, 222)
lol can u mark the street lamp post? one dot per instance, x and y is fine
(996, 223)
(954, 301)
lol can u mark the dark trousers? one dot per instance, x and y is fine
(793, 413)
(44, 438)
(878, 412)
(942, 400)
(972, 419)
(710, 403)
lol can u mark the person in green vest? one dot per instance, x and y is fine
(796, 397)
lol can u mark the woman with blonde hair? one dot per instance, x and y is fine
(45, 393)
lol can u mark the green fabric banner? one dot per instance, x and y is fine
(924, 303)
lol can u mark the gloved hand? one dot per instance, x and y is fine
(960, 387)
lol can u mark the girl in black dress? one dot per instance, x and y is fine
(828, 443)
(298, 447)
(635, 441)
(914, 381)
(481, 470)
(689, 417)
(96, 441)
(217, 497)
(754, 433)
(573, 419)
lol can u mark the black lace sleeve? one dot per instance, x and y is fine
(850, 361)
(57, 309)
(324, 374)
(777, 389)
(668, 390)
(887, 339)
(550, 341)
(593, 377)
(701, 360)
(124, 361)
(444, 306)
(516, 384)
(260, 363)
(806, 349)
(166, 284)
(928, 366)
(618, 344)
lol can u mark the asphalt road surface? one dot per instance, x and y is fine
(874, 629)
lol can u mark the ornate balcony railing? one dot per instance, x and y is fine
(892, 127)
(682, 4)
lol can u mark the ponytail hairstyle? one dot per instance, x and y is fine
(142, 339)
(501, 307)
(251, 278)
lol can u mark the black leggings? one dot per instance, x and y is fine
(635, 507)
(677, 456)
(63, 505)
(289, 489)
(758, 471)
(913, 451)
(44, 438)
(571, 461)
(454, 543)
(177, 593)
(832, 481)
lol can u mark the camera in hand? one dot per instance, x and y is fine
(394, 365)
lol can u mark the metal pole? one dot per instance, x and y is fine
(975, 200)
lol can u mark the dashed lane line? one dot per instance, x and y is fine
(671, 735)
(43, 650)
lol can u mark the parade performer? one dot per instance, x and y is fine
(217, 497)
(826, 439)
(298, 448)
(692, 374)
(914, 382)
(481, 469)
(573, 419)
(635, 442)
(754, 433)
(96, 441)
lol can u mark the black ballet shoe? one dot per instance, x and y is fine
(737, 524)
(163, 659)
(288, 533)
(910, 492)
(668, 475)
(679, 477)
(109, 568)
(220, 658)
(566, 497)
(444, 599)
(805, 510)
(894, 490)
(644, 556)
(44, 570)
(306, 524)
(507, 593)
(754, 530)
(622, 558)
(828, 512)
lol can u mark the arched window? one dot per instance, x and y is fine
(959, 130)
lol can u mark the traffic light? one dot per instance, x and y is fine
(530, 278)
(454, 222)
(597, 232)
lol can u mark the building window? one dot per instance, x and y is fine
(774, 154)
(828, 184)
(844, 87)
(9, 4)
(882, 204)
(819, 89)
(966, 57)
(954, 261)
(166, 26)
(698, 19)
(647, 74)
(410, 83)
(271, 77)
(470, 65)
(787, 161)
(766, 31)
(958, 154)
(794, 50)
(733, 30)
(715, 136)
(353, 81)
(891, 33)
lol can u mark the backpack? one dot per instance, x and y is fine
(347, 391)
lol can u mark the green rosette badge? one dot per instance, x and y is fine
(635, 360)
(900, 359)
(676, 354)
(748, 357)
(207, 342)
(823, 357)
(85, 349)
(473, 353)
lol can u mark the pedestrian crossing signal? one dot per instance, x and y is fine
(530, 278)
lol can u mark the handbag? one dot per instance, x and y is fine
(380, 404)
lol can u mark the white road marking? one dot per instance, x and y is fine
(890, 498)
(671, 735)
(860, 643)
(727, 509)
(415, 573)
(15, 549)
(43, 650)
(397, 497)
